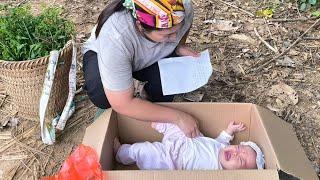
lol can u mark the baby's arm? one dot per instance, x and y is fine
(227, 135)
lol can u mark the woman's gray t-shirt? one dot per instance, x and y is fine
(121, 50)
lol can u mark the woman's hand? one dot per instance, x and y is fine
(188, 125)
(183, 50)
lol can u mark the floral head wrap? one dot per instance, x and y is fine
(157, 13)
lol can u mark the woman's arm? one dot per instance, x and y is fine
(124, 103)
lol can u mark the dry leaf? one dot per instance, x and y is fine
(243, 38)
(222, 25)
(286, 62)
(285, 94)
(194, 96)
(293, 52)
(272, 108)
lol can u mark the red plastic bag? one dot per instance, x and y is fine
(82, 164)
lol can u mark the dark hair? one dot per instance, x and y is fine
(115, 6)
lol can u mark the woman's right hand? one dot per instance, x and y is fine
(188, 125)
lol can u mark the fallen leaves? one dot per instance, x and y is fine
(243, 38)
(286, 62)
(222, 25)
(282, 96)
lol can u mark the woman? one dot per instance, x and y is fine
(129, 39)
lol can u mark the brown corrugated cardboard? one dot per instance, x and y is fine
(290, 155)
(275, 137)
(192, 175)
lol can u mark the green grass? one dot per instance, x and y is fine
(24, 36)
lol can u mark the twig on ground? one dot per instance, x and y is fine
(311, 38)
(314, 146)
(30, 149)
(265, 42)
(12, 141)
(35, 172)
(292, 20)
(12, 172)
(270, 34)
(3, 100)
(13, 157)
(240, 9)
(24, 164)
(265, 63)
(46, 162)
(297, 4)
(5, 136)
(22, 2)
(27, 169)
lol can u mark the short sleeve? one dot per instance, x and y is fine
(114, 60)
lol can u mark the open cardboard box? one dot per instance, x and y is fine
(275, 137)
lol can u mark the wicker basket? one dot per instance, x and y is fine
(23, 82)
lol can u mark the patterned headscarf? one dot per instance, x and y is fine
(157, 13)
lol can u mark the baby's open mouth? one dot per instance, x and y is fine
(227, 155)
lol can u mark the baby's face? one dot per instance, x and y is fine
(237, 157)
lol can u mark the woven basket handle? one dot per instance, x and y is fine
(48, 132)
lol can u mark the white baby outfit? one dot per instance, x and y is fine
(175, 152)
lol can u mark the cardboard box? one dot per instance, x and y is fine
(275, 137)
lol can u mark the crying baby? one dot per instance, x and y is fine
(178, 152)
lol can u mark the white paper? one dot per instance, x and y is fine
(184, 74)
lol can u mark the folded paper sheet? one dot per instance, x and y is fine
(184, 74)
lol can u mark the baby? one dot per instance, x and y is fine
(178, 152)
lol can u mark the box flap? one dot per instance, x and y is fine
(290, 156)
(95, 133)
(192, 175)
(100, 135)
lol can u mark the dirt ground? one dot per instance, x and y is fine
(289, 87)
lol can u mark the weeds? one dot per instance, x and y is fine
(24, 36)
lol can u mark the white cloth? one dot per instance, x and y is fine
(175, 152)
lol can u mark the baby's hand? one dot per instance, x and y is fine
(233, 127)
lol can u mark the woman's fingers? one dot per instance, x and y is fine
(186, 51)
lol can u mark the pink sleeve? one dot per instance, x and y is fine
(160, 127)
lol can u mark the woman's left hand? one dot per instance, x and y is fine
(183, 50)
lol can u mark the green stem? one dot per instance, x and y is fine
(52, 40)
(27, 32)
(7, 49)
